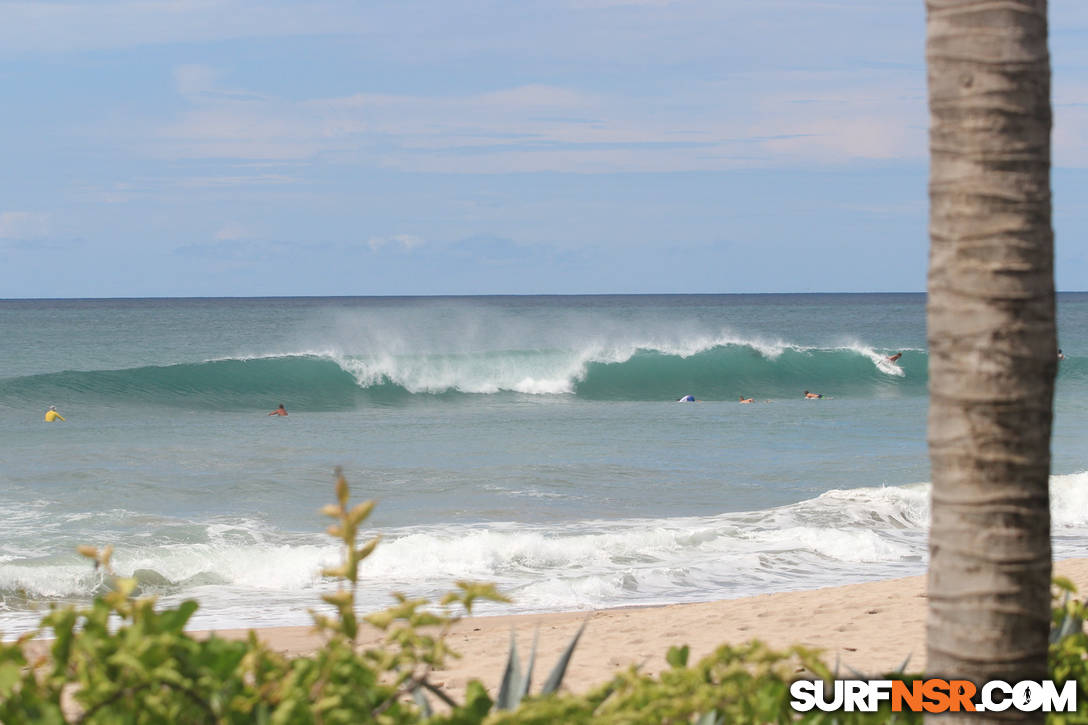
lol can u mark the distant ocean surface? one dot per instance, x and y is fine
(534, 442)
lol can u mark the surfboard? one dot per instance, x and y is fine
(889, 368)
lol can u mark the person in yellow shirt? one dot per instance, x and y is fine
(52, 415)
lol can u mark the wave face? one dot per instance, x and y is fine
(332, 381)
(232, 564)
(313, 382)
(724, 372)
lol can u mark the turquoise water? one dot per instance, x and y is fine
(531, 441)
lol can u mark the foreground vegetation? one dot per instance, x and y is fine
(122, 661)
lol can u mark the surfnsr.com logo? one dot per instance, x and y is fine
(933, 695)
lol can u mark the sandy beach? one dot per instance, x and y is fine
(871, 627)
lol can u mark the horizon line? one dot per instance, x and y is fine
(440, 295)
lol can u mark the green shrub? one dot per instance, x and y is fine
(1068, 655)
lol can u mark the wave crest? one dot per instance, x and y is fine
(711, 369)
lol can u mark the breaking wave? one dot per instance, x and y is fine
(840, 536)
(711, 370)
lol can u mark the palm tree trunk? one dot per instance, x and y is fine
(992, 343)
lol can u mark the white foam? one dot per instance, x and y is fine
(879, 359)
(255, 567)
(538, 371)
(844, 545)
(51, 581)
(1069, 500)
(841, 535)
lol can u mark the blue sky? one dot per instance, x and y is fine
(193, 148)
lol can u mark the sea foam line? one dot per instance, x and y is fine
(875, 525)
(839, 536)
(542, 372)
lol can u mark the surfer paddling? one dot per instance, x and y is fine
(745, 401)
(52, 415)
(813, 396)
(279, 411)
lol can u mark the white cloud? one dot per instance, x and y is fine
(66, 27)
(23, 225)
(232, 231)
(193, 79)
(407, 242)
(832, 118)
(177, 189)
(222, 182)
(688, 107)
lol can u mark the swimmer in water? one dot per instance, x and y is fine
(279, 411)
(52, 415)
(1061, 355)
(813, 396)
(744, 400)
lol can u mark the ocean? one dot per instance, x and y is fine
(534, 442)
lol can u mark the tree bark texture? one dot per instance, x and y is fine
(992, 341)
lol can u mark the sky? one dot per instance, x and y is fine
(160, 148)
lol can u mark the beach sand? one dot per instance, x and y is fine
(871, 627)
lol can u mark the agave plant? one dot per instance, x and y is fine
(515, 684)
(1066, 619)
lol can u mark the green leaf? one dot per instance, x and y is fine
(1071, 624)
(555, 679)
(360, 512)
(10, 674)
(476, 700)
(1064, 584)
(527, 681)
(507, 699)
(174, 620)
(678, 656)
(368, 548)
